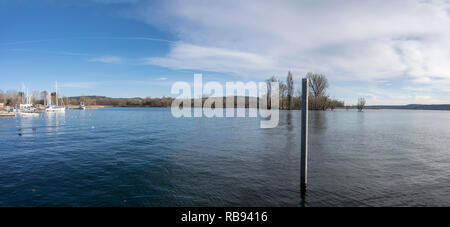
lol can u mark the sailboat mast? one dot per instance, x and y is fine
(23, 93)
(49, 99)
(56, 92)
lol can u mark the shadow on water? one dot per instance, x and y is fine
(318, 121)
(317, 127)
(303, 197)
(289, 121)
(360, 118)
(289, 144)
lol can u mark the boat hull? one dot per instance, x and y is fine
(29, 114)
(7, 115)
(55, 110)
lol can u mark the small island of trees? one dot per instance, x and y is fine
(318, 97)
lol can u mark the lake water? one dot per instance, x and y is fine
(145, 157)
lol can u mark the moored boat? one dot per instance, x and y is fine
(24, 114)
(7, 114)
(54, 108)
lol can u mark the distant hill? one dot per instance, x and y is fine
(166, 102)
(89, 97)
(412, 107)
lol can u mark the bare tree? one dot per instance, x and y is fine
(361, 104)
(290, 89)
(269, 90)
(2, 97)
(319, 103)
(318, 84)
(35, 97)
(44, 97)
(13, 98)
(268, 81)
(53, 97)
(333, 104)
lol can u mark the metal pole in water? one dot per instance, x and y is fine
(304, 135)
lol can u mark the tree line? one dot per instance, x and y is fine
(290, 97)
(14, 98)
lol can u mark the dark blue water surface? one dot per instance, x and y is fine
(146, 157)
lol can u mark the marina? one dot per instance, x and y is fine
(28, 108)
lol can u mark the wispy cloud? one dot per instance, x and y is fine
(115, 1)
(151, 39)
(162, 78)
(107, 59)
(51, 52)
(84, 85)
(188, 56)
(353, 39)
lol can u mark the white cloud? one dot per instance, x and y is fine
(107, 59)
(162, 78)
(348, 40)
(188, 56)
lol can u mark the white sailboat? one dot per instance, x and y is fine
(82, 106)
(30, 114)
(54, 108)
(26, 108)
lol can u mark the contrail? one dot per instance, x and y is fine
(80, 38)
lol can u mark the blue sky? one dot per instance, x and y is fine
(389, 52)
